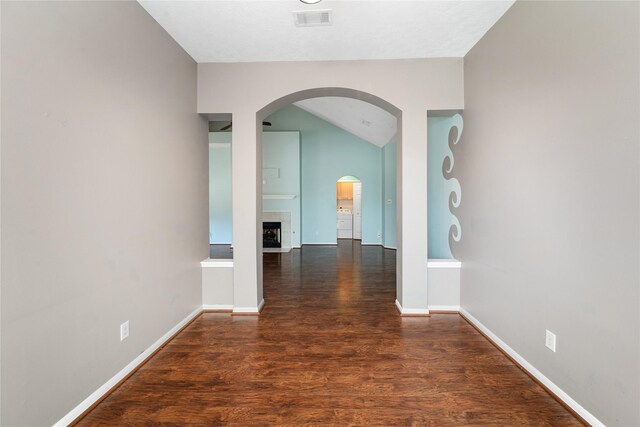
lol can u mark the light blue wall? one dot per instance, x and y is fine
(389, 209)
(281, 175)
(325, 153)
(328, 153)
(440, 217)
(220, 201)
(281, 151)
(440, 188)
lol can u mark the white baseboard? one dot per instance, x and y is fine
(586, 415)
(106, 387)
(444, 308)
(411, 311)
(249, 310)
(221, 307)
(282, 250)
(390, 247)
(321, 244)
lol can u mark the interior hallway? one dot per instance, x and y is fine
(330, 348)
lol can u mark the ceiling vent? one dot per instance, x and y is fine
(312, 18)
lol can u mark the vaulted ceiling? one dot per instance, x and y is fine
(364, 120)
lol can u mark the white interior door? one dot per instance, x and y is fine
(357, 210)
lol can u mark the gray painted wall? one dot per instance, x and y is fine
(549, 164)
(389, 172)
(104, 198)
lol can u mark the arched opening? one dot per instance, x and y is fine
(349, 207)
(374, 234)
(328, 91)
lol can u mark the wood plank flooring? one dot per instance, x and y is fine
(330, 349)
(220, 252)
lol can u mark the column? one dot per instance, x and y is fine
(246, 161)
(411, 287)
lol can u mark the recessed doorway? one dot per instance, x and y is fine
(349, 208)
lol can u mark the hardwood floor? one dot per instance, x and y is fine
(330, 349)
(220, 252)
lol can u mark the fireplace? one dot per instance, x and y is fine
(271, 234)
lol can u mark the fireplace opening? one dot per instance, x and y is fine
(271, 235)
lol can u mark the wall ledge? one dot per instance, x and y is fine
(444, 263)
(432, 263)
(216, 263)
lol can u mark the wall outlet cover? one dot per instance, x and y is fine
(550, 340)
(124, 330)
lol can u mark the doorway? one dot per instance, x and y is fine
(349, 208)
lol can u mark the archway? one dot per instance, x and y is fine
(349, 207)
(411, 277)
(284, 101)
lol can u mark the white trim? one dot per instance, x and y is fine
(219, 144)
(586, 415)
(278, 197)
(444, 308)
(216, 263)
(321, 244)
(217, 307)
(282, 250)
(411, 310)
(369, 244)
(443, 263)
(390, 247)
(106, 387)
(249, 310)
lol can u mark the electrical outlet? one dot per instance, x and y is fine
(124, 330)
(550, 341)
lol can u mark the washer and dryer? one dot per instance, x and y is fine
(345, 224)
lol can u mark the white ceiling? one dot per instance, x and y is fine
(264, 30)
(246, 31)
(371, 123)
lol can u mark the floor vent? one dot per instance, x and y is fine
(312, 18)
